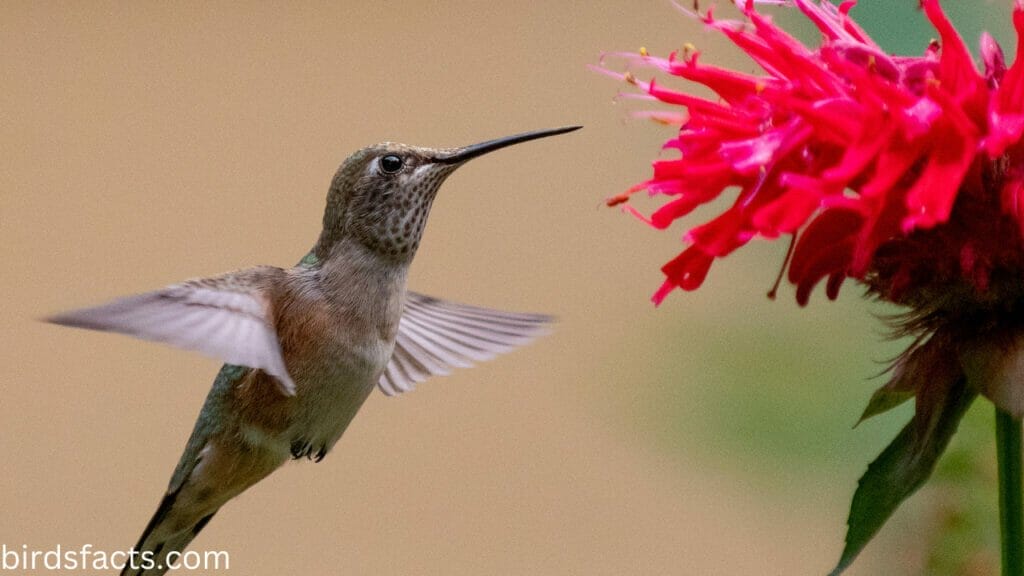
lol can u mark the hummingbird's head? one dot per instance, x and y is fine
(382, 194)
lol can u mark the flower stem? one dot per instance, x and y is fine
(1008, 448)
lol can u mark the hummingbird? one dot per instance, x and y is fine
(305, 346)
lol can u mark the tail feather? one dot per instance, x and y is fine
(153, 548)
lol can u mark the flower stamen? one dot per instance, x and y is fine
(782, 269)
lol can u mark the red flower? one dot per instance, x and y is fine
(905, 173)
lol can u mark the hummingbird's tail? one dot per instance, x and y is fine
(150, 554)
(209, 474)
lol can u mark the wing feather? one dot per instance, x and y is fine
(227, 317)
(436, 336)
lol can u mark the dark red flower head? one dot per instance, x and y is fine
(906, 173)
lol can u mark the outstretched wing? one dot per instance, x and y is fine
(227, 317)
(435, 336)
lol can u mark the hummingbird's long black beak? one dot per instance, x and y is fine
(459, 155)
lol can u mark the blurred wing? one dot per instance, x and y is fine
(227, 317)
(435, 336)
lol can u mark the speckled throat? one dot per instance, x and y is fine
(381, 195)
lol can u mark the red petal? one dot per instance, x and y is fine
(663, 291)
(722, 235)
(831, 228)
(789, 211)
(1006, 118)
(697, 106)
(956, 69)
(828, 261)
(931, 198)
(835, 281)
(663, 217)
(1011, 89)
(732, 86)
(992, 56)
(689, 269)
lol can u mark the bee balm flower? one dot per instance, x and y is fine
(905, 174)
(889, 170)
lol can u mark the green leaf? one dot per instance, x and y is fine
(884, 399)
(905, 464)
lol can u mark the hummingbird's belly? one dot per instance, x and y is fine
(329, 397)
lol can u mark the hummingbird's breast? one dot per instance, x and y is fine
(331, 392)
(336, 342)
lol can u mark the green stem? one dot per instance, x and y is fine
(1008, 449)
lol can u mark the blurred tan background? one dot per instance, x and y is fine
(145, 143)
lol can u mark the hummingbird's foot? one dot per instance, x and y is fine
(304, 449)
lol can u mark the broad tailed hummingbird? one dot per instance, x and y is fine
(306, 345)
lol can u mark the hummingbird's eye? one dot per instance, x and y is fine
(390, 164)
